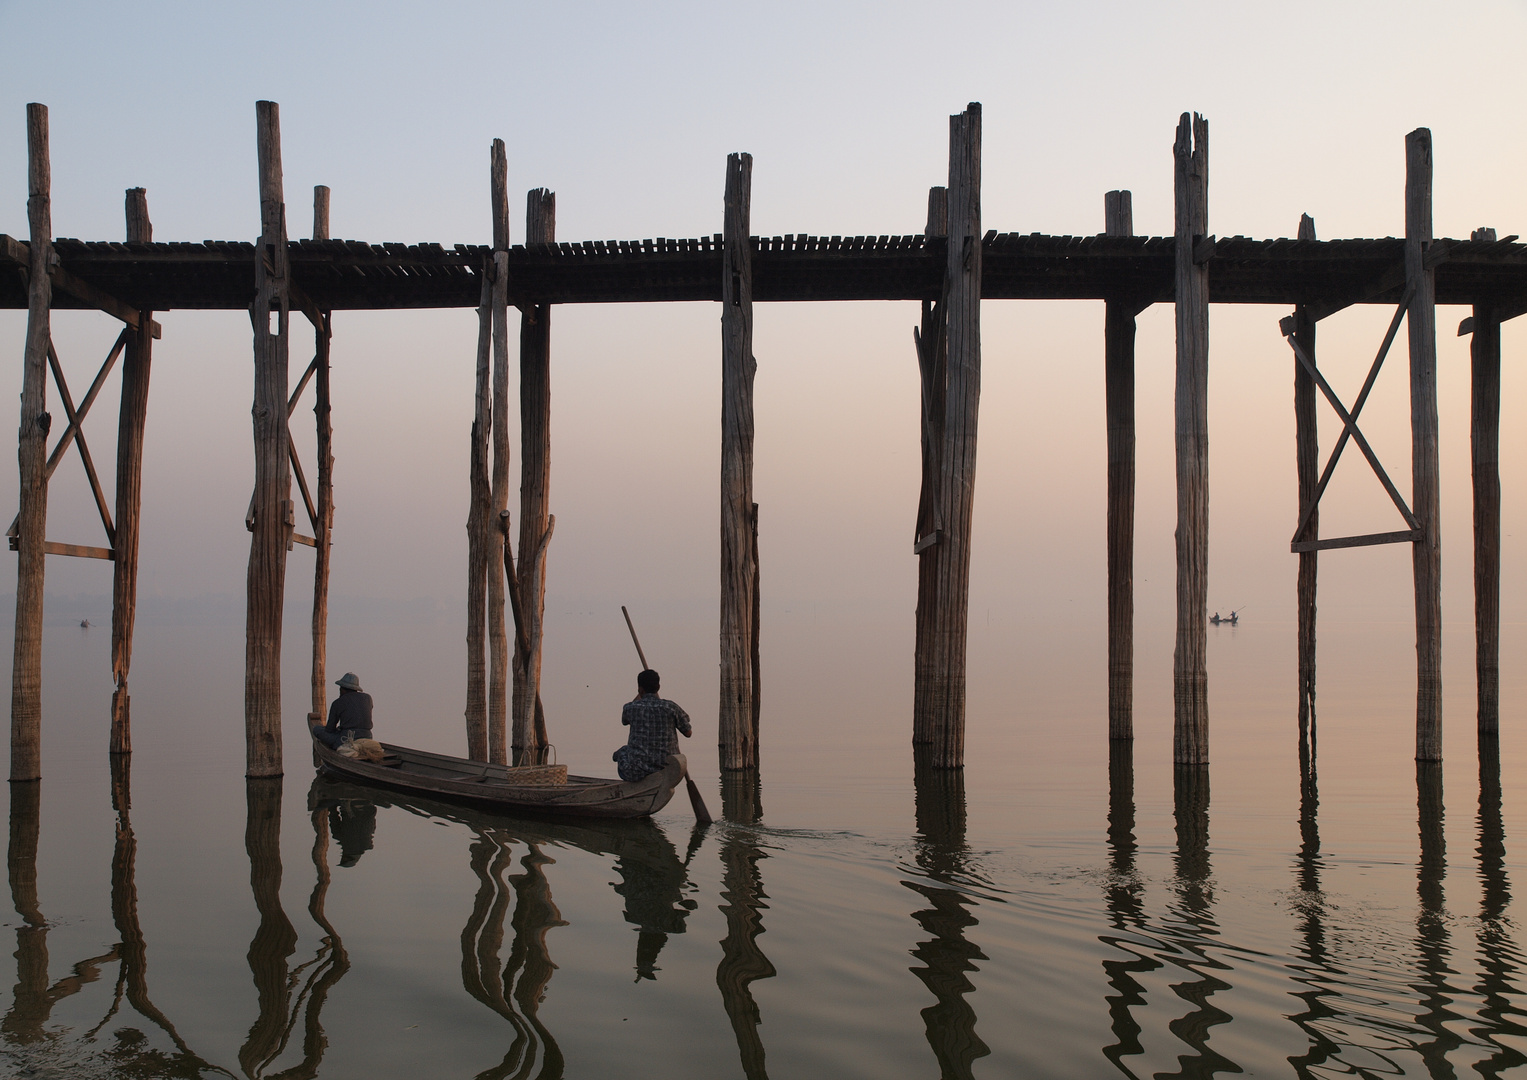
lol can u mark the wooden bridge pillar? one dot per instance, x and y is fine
(739, 555)
(136, 362)
(271, 511)
(26, 671)
(1190, 691)
(498, 639)
(957, 452)
(1484, 437)
(1119, 384)
(535, 491)
(932, 341)
(323, 538)
(479, 513)
(1307, 453)
(1426, 551)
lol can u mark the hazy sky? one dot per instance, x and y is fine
(627, 111)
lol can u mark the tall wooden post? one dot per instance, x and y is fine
(480, 510)
(1307, 453)
(1119, 383)
(1425, 502)
(957, 454)
(932, 341)
(31, 524)
(272, 524)
(1190, 677)
(498, 639)
(324, 538)
(130, 426)
(1484, 437)
(535, 486)
(734, 721)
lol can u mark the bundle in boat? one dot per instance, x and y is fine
(536, 775)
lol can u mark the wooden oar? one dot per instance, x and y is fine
(702, 815)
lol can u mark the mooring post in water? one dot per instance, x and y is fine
(1484, 438)
(535, 489)
(1194, 249)
(1426, 550)
(1119, 391)
(271, 518)
(325, 525)
(31, 524)
(738, 748)
(132, 419)
(494, 541)
(932, 341)
(1307, 452)
(957, 450)
(479, 515)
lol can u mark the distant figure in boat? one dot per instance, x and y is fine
(653, 721)
(349, 716)
(1228, 620)
(84, 624)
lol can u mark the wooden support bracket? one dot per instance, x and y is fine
(1203, 250)
(17, 252)
(926, 542)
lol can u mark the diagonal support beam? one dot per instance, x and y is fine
(79, 441)
(1287, 326)
(18, 252)
(1357, 436)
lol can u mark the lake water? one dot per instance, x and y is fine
(1051, 911)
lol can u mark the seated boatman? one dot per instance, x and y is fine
(653, 721)
(349, 715)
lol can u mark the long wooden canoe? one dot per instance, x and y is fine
(478, 783)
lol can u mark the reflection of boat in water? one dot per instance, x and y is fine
(479, 783)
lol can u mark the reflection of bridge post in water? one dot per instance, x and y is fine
(942, 855)
(525, 975)
(1432, 937)
(742, 961)
(275, 939)
(1125, 910)
(1195, 897)
(30, 1001)
(1496, 949)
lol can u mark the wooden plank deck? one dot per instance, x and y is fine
(343, 275)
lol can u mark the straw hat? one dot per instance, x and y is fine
(349, 682)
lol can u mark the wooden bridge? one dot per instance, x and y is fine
(949, 268)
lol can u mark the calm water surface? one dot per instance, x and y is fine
(1307, 908)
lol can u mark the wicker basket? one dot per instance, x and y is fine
(537, 775)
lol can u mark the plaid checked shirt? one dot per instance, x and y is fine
(653, 722)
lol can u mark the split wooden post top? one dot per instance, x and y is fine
(1426, 550)
(32, 522)
(272, 507)
(1193, 249)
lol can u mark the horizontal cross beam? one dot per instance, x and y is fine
(1404, 536)
(18, 252)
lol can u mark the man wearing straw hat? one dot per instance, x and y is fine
(349, 716)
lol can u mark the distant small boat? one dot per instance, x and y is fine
(1228, 620)
(501, 787)
(85, 624)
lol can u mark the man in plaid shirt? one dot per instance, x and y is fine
(653, 721)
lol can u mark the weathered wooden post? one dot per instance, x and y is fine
(1307, 452)
(1190, 678)
(957, 454)
(1484, 438)
(738, 748)
(1421, 319)
(932, 341)
(498, 639)
(1119, 393)
(535, 488)
(130, 426)
(26, 671)
(323, 541)
(271, 522)
(480, 509)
